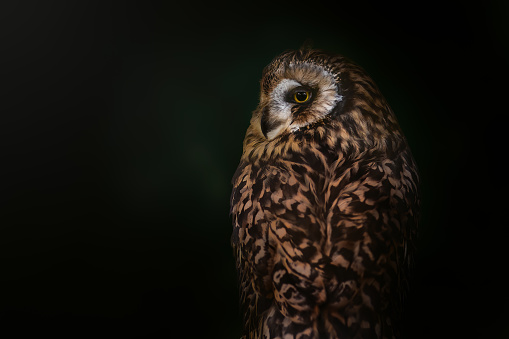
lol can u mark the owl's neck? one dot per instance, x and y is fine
(329, 134)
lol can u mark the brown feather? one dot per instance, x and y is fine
(324, 216)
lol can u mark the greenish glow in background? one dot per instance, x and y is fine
(124, 125)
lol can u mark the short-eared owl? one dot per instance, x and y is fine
(324, 204)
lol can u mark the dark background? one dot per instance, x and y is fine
(122, 124)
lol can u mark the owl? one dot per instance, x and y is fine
(324, 204)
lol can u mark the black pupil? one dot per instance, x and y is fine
(301, 96)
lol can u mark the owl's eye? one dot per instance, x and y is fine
(301, 95)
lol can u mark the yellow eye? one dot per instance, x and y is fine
(301, 96)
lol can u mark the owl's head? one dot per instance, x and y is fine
(309, 91)
(297, 89)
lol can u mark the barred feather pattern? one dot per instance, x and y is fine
(325, 217)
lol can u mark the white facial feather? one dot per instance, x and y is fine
(280, 108)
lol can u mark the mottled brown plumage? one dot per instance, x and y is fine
(324, 205)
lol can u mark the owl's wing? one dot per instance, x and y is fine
(372, 212)
(277, 237)
(250, 235)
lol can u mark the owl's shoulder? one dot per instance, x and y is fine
(376, 174)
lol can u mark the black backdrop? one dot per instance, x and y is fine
(122, 125)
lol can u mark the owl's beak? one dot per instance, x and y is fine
(264, 122)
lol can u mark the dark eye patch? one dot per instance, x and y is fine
(300, 95)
